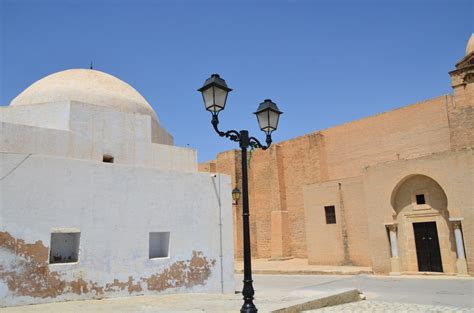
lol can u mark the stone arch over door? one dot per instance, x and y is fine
(408, 211)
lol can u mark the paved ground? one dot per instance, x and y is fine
(429, 290)
(384, 294)
(389, 307)
(440, 294)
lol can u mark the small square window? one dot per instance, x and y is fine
(107, 158)
(64, 248)
(159, 245)
(420, 199)
(330, 214)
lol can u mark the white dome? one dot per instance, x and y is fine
(470, 45)
(89, 86)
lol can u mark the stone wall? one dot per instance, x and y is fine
(278, 175)
(404, 133)
(461, 117)
(348, 237)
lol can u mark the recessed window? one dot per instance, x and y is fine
(107, 158)
(64, 248)
(420, 199)
(330, 214)
(159, 245)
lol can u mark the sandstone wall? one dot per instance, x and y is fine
(277, 176)
(461, 117)
(348, 237)
(404, 133)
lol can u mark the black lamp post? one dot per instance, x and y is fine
(214, 93)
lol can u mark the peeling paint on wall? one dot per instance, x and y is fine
(27, 273)
(119, 286)
(187, 274)
(25, 270)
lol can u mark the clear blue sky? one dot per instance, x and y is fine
(323, 62)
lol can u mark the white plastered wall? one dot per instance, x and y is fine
(85, 131)
(115, 207)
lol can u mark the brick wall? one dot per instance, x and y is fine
(405, 133)
(461, 117)
(277, 176)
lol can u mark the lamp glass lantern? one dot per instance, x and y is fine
(268, 115)
(236, 195)
(214, 93)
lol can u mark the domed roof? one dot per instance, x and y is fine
(89, 86)
(470, 45)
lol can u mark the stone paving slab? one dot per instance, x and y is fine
(368, 306)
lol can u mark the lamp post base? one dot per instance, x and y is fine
(248, 308)
(248, 292)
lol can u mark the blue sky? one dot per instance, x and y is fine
(323, 62)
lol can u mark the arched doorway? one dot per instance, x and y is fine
(425, 238)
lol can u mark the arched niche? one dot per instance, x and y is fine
(404, 195)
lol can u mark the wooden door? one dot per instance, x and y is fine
(427, 247)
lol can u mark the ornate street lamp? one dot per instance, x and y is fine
(214, 93)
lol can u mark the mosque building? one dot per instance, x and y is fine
(394, 191)
(95, 196)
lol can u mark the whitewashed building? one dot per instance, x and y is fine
(95, 201)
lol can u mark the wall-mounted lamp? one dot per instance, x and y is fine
(235, 196)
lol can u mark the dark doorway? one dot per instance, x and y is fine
(427, 247)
